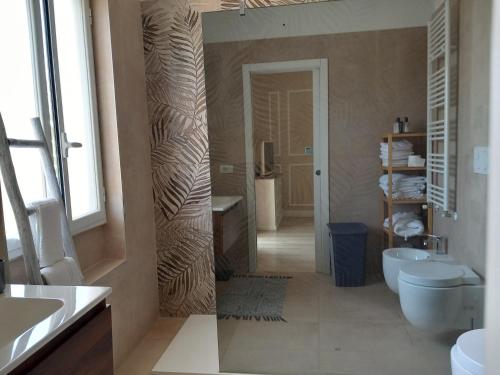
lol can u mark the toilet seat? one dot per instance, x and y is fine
(441, 296)
(438, 274)
(469, 352)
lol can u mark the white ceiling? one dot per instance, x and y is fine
(315, 19)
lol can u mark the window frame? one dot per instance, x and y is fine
(44, 61)
(40, 84)
(38, 65)
(98, 217)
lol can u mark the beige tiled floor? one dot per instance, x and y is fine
(143, 358)
(289, 249)
(331, 330)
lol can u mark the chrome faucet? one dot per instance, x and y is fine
(439, 243)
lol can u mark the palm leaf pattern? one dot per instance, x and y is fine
(175, 81)
(183, 284)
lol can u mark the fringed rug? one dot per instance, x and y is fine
(253, 297)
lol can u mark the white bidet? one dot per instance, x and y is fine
(394, 259)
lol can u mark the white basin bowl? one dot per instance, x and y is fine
(18, 315)
(394, 259)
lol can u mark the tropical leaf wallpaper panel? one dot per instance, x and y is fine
(175, 79)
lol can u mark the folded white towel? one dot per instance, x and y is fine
(404, 186)
(415, 179)
(399, 217)
(385, 151)
(409, 228)
(395, 161)
(395, 177)
(406, 224)
(410, 189)
(64, 272)
(385, 163)
(398, 145)
(401, 150)
(405, 183)
(47, 231)
(396, 154)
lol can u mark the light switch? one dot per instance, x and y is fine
(481, 160)
(226, 168)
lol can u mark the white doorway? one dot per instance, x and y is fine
(319, 69)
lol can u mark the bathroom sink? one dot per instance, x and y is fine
(17, 315)
(394, 259)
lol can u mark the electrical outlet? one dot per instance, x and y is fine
(226, 168)
(481, 160)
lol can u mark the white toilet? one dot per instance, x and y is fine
(394, 259)
(441, 296)
(467, 355)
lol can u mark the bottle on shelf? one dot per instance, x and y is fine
(397, 126)
(406, 126)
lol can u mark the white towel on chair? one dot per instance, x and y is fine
(64, 272)
(47, 231)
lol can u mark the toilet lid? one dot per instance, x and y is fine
(470, 351)
(432, 274)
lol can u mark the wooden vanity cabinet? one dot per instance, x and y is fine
(85, 347)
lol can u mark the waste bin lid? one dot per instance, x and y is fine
(347, 228)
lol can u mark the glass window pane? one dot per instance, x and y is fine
(76, 93)
(18, 104)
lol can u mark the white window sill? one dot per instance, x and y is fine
(77, 227)
(102, 268)
(88, 222)
(15, 254)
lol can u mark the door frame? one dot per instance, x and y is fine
(319, 68)
(493, 221)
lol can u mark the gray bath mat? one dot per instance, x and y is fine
(249, 297)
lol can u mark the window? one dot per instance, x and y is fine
(46, 71)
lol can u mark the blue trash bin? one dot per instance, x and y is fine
(348, 253)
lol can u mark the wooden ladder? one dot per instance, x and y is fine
(21, 213)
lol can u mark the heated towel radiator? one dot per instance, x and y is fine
(441, 104)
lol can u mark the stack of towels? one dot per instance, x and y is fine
(406, 224)
(55, 267)
(404, 186)
(400, 152)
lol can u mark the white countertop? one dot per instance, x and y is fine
(49, 311)
(225, 203)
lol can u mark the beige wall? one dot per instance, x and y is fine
(374, 77)
(467, 236)
(131, 231)
(122, 253)
(283, 113)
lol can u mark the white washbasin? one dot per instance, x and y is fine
(394, 259)
(18, 315)
(221, 203)
(32, 315)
